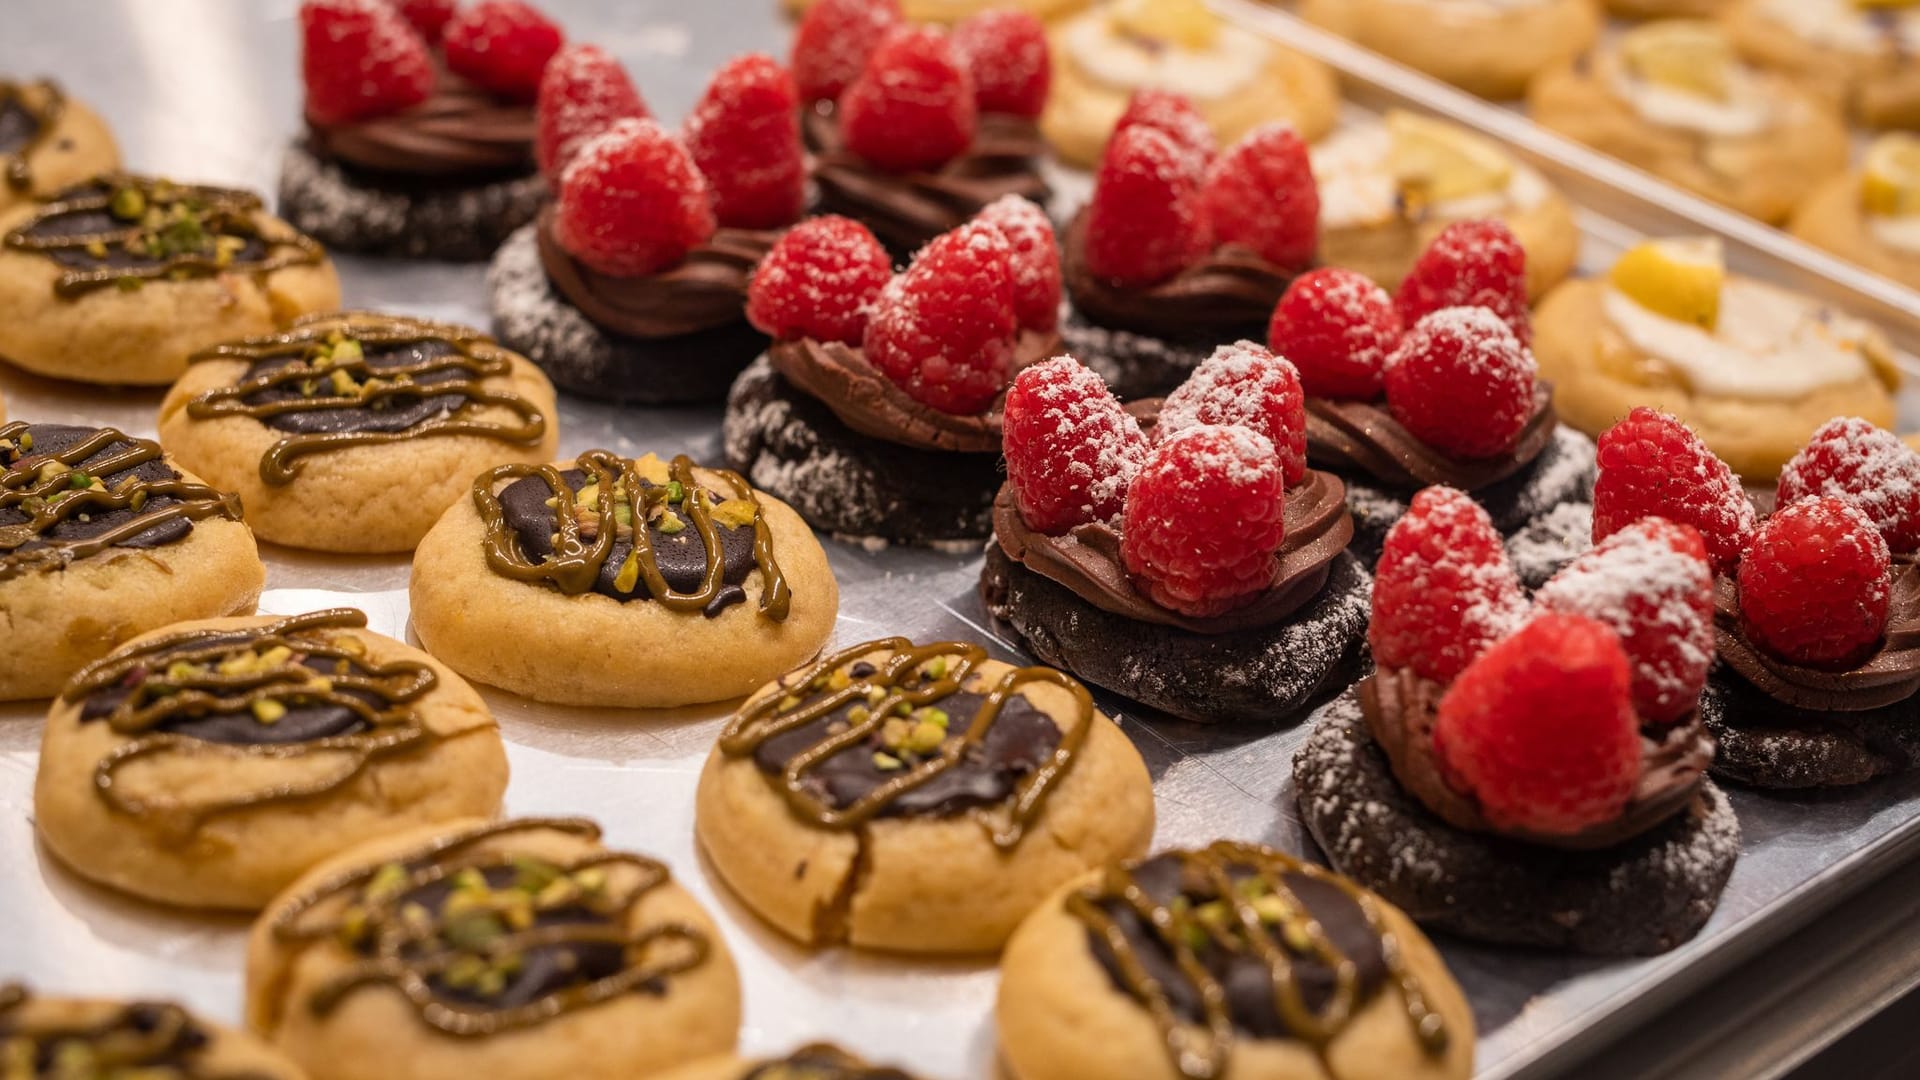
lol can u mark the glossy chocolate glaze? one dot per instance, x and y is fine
(23, 127)
(153, 1040)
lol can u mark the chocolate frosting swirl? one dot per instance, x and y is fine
(1363, 436)
(154, 1040)
(707, 290)
(1890, 675)
(458, 133)
(1229, 293)
(1400, 708)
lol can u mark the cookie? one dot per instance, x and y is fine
(819, 1061)
(120, 279)
(1834, 216)
(916, 798)
(1766, 743)
(1846, 51)
(85, 568)
(1487, 49)
(147, 1038)
(325, 435)
(949, 11)
(48, 142)
(729, 589)
(350, 210)
(520, 949)
(1665, 9)
(1233, 960)
(210, 763)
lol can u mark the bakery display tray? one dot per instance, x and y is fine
(208, 89)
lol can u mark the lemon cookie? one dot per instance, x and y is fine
(354, 432)
(1752, 367)
(48, 142)
(120, 279)
(1486, 47)
(1871, 217)
(819, 1061)
(61, 1037)
(1858, 51)
(518, 950)
(916, 798)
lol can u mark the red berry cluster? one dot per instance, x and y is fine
(362, 59)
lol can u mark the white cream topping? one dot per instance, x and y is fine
(1770, 343)
(1233, 62)
(1357, 188)
(1839, 24)
(1746, 110)
(1902, 233)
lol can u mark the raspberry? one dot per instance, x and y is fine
(1036, 260)
(1203, 518)
(1814, 586)
(944, 330)
(582, 92)
(1470, 264)
(1261, 194)
(1145, 222)
(1852, 459)
(1443, 590)
(1338, 328)
(818, 282)
(745, 137)
(429, 17)
(1651, 464)
(360, 59)
(834, 41)
(1071, 449)
(1173, 114)
(1007, 53)
(632, 203)
(1540, 730)
(1461, 383)
(1247, 385)
(1651, 584)
(503, 46)
(912, 107)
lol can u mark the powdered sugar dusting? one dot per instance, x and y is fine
(1071, 450)
(1850, 458)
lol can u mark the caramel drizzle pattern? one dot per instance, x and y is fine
(575, 564)
(399, 963)
(1205, 1053)
(19, 172)
(228, 213)
(59, 501)
(761, 720)
(117, 1042)
(278, 466)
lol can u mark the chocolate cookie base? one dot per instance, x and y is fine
(1264, 676)
(1644, 897)
(533, 319)
(793, 447)
(1767, 744)
(350, 212)
(1139, 366)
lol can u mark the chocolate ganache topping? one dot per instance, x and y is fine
(1891, 675)
(1363, 436)
(707, 290)
(483, 939)
(150, 1040)
(1240, 941)
(892, 729)
(1400, 708)
(359, 379)
(459, 133)
(822, 1062)
(28, 113)
(67, 493)
(1229, 293)
(908, 209)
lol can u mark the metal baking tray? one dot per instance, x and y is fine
(207, 89)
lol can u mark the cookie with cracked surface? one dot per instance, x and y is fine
(146, 1038)
(48, 142)
(349, 210)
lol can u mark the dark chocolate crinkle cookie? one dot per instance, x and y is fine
(1550, 541)
(1135, 365)
(350, 212)
(1264, 676)
(1767, 744)
(1642, 897)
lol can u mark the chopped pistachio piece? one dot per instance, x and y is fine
(887, 762)
(926, 737)
(268, 711)
(128, 204)
(387, 881)
(670, 523)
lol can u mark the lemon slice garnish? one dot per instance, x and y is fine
(1689, 55)
(1679, 279)
(1186, 23)
(1890, 183)
(1437, 161)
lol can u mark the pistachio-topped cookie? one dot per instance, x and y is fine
(817, 1061)
(519, 950)
(48, 141)
(354, 432)
(916, 798)
(119, 279)
(84, 1037)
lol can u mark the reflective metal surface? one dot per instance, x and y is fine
(207, 89)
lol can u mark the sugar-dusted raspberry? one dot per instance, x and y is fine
(1071, 449)
(1470, 264)
(429, 17)
(912, 107)
(1204, 516)
(582, 93)
(944, 330)
(1261, 194)
(1036, 259)
(1853, 459)
(503, 46)
(818, 282)
(632, 203)
(1651, 583)
(835, 39)
(1145, 222)
(1338, 328)
(1461, 383)
(1541, 731)
(745, 137)
(1244, 384)
(1173, 114)
(1443, 590)
(1652, 464)
(360, 59)
(1012, 67)
(1814, 587)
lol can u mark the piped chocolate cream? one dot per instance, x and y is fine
(1363, 436)
(1891, 675)
(1229, 293)
(706, 291)
(459, 133)
(1400, 708)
